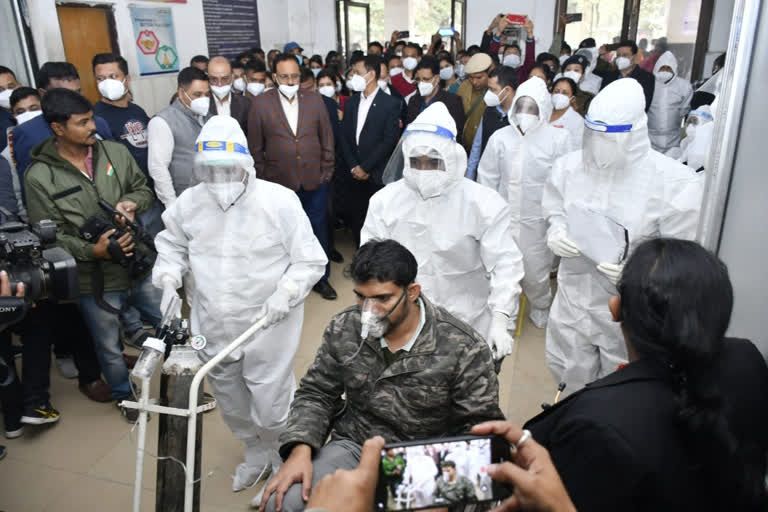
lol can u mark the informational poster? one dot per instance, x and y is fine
(232, 26)
(156, 48)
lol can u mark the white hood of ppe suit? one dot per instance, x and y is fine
(536, 89)
(648, 194)
(224, 129)
(418, 135)
(671, 102)
(697, 144)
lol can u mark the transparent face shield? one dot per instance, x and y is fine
(424, 158)
(525, 113)
(217, 174)
(605, 150)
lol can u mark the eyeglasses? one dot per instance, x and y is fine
(293, 76)
(219, 80)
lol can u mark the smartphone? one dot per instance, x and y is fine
(573, 17)
(516, 19)
(440, 473)
(404, 34)
(447, 32)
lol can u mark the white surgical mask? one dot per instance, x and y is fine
(526, 121)
(446, 73)
(395, 71)
(255, 88)
(357, 83)
(5, 99)
(316, 71)
(328, 91)
(239, 84)
(199, 106)
(31, 114)
(491, 99)
(399, 54)
(289, 91)
(573, 75)
(426, 88)
(623, 63)
(338, 86)
(512, 60)
(221, 91)
(664, 76)
(410, 63)
(383, 84)
(564, 58)
(560, 101)
(112, 89)
(226, 193)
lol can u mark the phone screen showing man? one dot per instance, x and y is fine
(438, 474)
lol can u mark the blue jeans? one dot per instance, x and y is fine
(315, 204)
(105, 329)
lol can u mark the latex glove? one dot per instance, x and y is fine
(169, 294)
(611, 271)
(277, 306)
(562, 246)
(499, 339)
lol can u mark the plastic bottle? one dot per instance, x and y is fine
(151, 354)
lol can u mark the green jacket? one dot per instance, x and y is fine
(443, 386)
(57, 190)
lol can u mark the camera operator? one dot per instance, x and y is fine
(70, 172)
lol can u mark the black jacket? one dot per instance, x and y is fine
(642, 76)
(238, 109)
(617, 445)
(452, 102)
(378, 137)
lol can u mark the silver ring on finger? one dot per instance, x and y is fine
(526, 436)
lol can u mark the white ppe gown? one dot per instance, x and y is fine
(238, 258)
(574, 123)
(651, 195)
(671, 103)
(517, 166)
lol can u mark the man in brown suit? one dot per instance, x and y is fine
(291, 141)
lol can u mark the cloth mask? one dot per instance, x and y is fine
(289, 91)
(199, 106)
(664, 76)
(316, 71)
(328, 91)
(395, 71)
(255, 88)
(112, 89)
(26, 116)
(526, 121)
(357, 83)
(383, 84)
(573, 75)
(426, 88)
(560, 101)
(239, 84)
(623, 63)
(446, 73)
(226, 193)
(410, 63)
(512, 60)
(427, 183)
(221, 91)
(5, 99)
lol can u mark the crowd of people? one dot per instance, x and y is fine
(466, 177)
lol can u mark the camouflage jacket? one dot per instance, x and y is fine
(443, 386)
(461, 491)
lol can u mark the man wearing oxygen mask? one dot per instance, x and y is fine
(460, 232)
(394, 365)
(251, 251)
(600, 203)
(516, 163)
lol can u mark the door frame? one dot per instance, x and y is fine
(339, 28)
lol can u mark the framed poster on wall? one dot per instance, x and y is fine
(155, 40)
(232, 26)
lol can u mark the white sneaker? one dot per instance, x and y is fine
(67, 368)
(539, 317)
(247, 476)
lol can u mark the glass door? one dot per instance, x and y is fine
(354, 23)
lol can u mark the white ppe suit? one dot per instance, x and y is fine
(517, 166)
(695, 148)
(671, 103)
(259, 247)
(590, 82)
(460, 232)
(619, 176)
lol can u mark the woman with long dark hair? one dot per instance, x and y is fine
(683, 426)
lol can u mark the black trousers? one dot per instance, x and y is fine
(351, 202)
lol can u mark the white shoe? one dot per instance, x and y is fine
(247, 476)
(67, 368)
(539, 317)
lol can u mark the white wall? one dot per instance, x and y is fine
(153, 92)
(311, 23)
(542, 12)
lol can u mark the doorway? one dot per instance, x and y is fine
(87, 31)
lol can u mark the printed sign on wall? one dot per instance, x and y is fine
(156, 48)
(232, 26)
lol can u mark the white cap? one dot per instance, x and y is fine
(155, 344)
(222, 142)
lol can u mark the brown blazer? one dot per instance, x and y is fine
(305, 159)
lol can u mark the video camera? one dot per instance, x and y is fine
(144, 253)
(45, 273)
